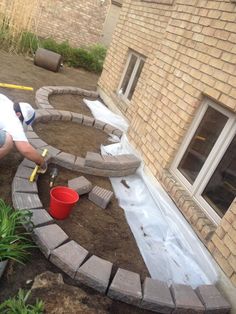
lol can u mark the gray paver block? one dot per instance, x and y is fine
(81, 185)
(28, 163)
(157, 296)
(94, 160)
(95, 273)
(126, 287)
(111, 162)
(69, 257)
(23, 172)
(37, 142)
(212, 299)
(43, 115)
(88, 121)
(128, 161)
(65, 160)
(77, 117)
(99, 124)
(31, 135)
(55, 114)
(186, 300)
(26, 201)
(52, 151)
(117, 132)
(109, 129)
(39, 217)
(65, 115)
(24, 185)
(100, 196)
(49, 237)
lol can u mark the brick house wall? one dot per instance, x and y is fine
(190, 54)
(79, 22)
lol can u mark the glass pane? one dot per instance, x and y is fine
(135, 81)
(221, 189)
(128, 73)
(202, 143)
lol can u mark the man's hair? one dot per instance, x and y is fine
(17, 109)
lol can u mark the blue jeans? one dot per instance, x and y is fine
(2, 137)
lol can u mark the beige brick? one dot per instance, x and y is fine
(230, 243)
(232, 261)
(224, 264)
(233, 279)
(220, 232)
(220, 246)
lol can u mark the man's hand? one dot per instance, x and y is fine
(43, 167)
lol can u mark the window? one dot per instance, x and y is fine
(131, 76)
(206, 162)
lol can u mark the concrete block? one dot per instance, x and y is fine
(39, 218)
(23, 172)
(81, 185)
(95, 273)
(157, 296)
(99, 124)
(126, 287)
(117, 132)
(65, 160)
(55, 114)
(212, 299)
(26, 201)
(31, 135)
(69, 257)
(90, 93)
(128, 161)
(94, 160)
(48, 238)
(88, 121)
(65, 115)
(45, 105)
(111, 162)
(43, 115)
(77, 117)
(24, 185)
(100, 196)
(37, 142)
(186, 300)
(109, 129)
(52, 151)
(28, 163)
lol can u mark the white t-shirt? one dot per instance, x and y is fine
(9, 121)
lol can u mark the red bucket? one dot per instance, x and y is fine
(62, 199)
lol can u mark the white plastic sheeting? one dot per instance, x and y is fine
(171, 250)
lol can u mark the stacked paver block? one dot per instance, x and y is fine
(88, 121)
(77, 117)
(213, 301)
(94, 160)
(100, 196)
(65, 160)
(23, 172)
(40, 217)
(186, 300)
(23, 185)
(49, 237)
(26, 201)
(69, 257)
(126, 287)
(81, 185)
(95, 273)
(157, 296)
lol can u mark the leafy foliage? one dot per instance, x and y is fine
(14, 244)
(19, 305)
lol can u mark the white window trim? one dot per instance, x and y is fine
(212, 160)
(135, 69)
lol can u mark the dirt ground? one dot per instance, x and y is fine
(102, 232)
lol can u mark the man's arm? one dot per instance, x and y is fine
(28, 151)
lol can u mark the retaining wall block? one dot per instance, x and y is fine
(90, 93)
(94, 160)
(23, 185)
(40, 217)
(68, 257)
(28, 163)
(26, 201)
(48, 238)
(109, 129)
(55, 114)
(52, 151)
(117, 132)
(77, 117)
(212, 299)
(23, 172)
(88, 121)
(99, 124)
(128, 161)
(31, 135)
(37, 143)
(126, 287)
(65, 115)
(111, 162)
(186, 300)
(100, 196)
(95, 273)
(65, 160)
(157, 296)
(81, 185)
(43, 115)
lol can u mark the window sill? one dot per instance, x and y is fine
(202, 225)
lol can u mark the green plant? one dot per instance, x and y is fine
(14, 243)
(19, 305)
(28, 43)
